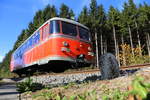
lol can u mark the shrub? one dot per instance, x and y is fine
(127, 58)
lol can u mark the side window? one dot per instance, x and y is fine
(15, 56)
(54, 26)
(45, 31)
(28, 44)
(31, 43)
(83, 33)
(36, 38)
(20, 53)
(25, 46)
(69, 29)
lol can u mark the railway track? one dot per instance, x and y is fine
(97, 70)
(55, 79)
(135, 66)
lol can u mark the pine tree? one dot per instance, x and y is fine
(21, 38)
(94, 23)
(113, 20)
(38, 19)
(46, 13)
(135, 14)
(144, 17)
(101, 27)
(129, 22)
(84, 16)
(123, 33)
(5, 65)
(53, 12)
(71, 15)
(64, 11)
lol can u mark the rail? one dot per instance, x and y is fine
(97, 70)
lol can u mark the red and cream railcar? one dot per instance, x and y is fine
(58, 39)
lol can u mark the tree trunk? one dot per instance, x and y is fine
(138, 37)
(118, 54)
(123, 51)
(131, 39)
(101, 43)
(114, 34)
(105, 48)
(148, 43)
(97, 55)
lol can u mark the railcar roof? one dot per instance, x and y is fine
(69, 21)
(55, 18)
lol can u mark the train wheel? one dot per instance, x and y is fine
(109, 66)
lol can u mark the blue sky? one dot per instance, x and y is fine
(16, 14)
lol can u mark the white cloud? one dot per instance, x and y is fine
(1, 58)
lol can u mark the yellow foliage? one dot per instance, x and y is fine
(128, 58)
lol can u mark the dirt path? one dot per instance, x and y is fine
(8, 91)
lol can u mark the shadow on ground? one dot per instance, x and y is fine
(122, 73)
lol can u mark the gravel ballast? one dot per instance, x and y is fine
(65, 78)
(61, 79)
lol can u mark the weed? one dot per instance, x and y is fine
(115, 95)
(28, 85)
(140, 89)
(69, 85)
(46, 95)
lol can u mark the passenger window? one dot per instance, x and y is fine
(54, 27)
(69, 29)
(35, 39)
(30, 42)
(37, 36)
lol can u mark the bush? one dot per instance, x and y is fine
(28, 85)
(127, 58)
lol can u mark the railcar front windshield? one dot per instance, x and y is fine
(84, 34)
(69, 29)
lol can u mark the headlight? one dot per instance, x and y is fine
(89, 49)
(65, 44)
